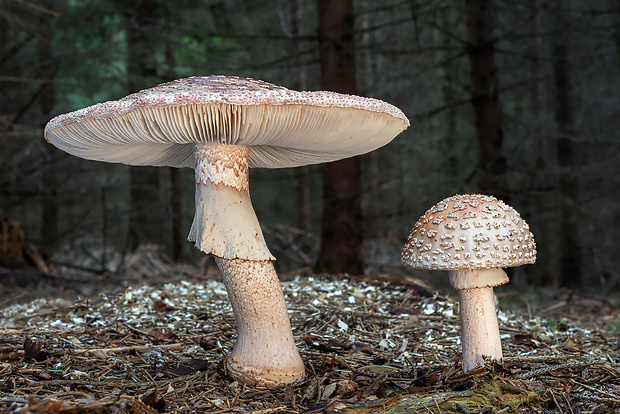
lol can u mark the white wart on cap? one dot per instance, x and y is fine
(470, 231)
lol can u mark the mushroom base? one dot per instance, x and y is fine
(479, 327)
(265, 353)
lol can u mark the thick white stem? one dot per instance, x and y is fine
(479, 328)
(265, 353)
(225, 223)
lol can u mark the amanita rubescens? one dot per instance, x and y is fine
(221, 126)
(472, 236)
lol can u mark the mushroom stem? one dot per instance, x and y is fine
(225, 223)
(226, 226)
(265, 353)
(479, 328)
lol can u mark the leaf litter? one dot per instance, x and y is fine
(372, 344)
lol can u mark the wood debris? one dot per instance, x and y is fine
(370, 346)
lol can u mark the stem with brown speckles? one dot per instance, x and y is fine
(226, 226)
(265, 353)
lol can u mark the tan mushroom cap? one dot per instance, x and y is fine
(470, 232)
(284, 128)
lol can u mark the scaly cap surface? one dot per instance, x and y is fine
(469, 231)
(284, 128)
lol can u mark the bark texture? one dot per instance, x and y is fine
(299, 82)
(176, 187)
(342, 248)
(570, 250)
(145, 217)
(485, 99)
(47, 70)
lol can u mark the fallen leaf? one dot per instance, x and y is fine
(181, 371)
(360, 347)
(161, 306)
(346, 387)
(468, 384)
(32, 350)
(57, 406)
(153, 400)
(396, 310)
(198, 364)
(419, 290)
(525, 339)
(164, 335)
(328, 391)
(194, 365)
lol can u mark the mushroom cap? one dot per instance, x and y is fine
(284, 128)
(470, 231)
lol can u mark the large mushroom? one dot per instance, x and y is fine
(472, 236)
(221, 126)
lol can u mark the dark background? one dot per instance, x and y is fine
(516, 99)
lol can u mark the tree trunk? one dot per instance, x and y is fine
(176, 204)
(449, 116)
(304, 217)
(485, 99)
(176, 186)
(366, 76)
(570, 253)
(615, 8)
(47, 70)
(342, 248)
(542, 202)
(144, 215)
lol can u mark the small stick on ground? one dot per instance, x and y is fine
(20, 354)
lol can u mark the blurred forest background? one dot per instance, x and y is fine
(516, 99)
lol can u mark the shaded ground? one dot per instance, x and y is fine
(377, 345)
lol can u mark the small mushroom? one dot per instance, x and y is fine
(473, 237)
(221, 126)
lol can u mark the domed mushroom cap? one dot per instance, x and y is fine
(284, 128)
(470, 231)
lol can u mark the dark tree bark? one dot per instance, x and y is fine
(540, 203)
(4, 41)
(342, 248)
(615, 7)
(304, 217)
(304, 210)
(485, 99)
(449, 116)
(144, 219)
(176, 204)
(365, 77)
(47, 70)
(176, 186)
(570, 252)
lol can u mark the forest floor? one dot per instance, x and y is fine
(156, 340)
